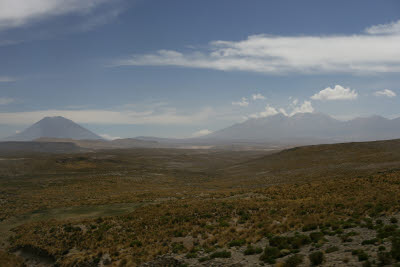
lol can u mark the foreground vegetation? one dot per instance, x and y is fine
(309, 205)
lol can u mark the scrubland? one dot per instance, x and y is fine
(328, 204)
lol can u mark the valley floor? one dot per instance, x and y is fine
(338, 204)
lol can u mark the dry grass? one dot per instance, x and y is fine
(205, 198)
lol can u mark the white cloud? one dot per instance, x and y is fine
(385, 92)
(6, 100)
(283, 111)
(161, 117)
(258, 96)
(243, 102)
(17, 13)
(5, 79)
(306, 107)
(201, 133)
(109, 137)
(390, 28)
(337, 93)
(268, 111)
(356, 53)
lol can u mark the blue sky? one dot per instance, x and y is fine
(185, 68)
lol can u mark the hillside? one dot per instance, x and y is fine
(204, 207)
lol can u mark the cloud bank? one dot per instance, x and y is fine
(374, 51)
(18, 13)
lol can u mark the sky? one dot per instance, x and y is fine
(185, 68)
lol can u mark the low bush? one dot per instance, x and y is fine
(331, 249)
(395, 251)
(316, 258)
(237, 243)
(370, 241)
(270, 254)
(250, 250)
(294, 261)
(384, 258)
(220, 254)
(309, 227)
(316, 236)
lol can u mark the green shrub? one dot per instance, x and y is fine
(177, 247)
(237, 243)
(191, 255)
(393, 220)
(316, 236)
(270, 254)
(387, 231)
(135, 243)
(298, 241)
(250, 250)
(294, 261)
(384, 258)
(224, 224)
(370, 241)
(220, 254)
(331, 249)
(362, 256)
(316, 258)
(280, 242)
(309, 227)
(395, 248)
(203, 259)
(294, 242)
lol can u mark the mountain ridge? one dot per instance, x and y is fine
(310, 127)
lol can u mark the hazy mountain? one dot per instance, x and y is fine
(54, 127)
(309, 128)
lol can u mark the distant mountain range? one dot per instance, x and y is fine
(54, 127)
(281, 130)
(309, 128)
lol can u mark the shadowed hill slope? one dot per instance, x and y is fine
(320, 162)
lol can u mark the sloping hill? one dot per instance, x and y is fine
(308, 163)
